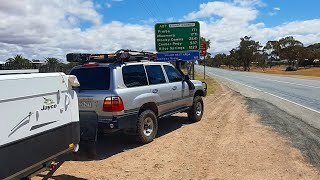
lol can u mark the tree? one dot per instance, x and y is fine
(52, 61)
(272, 50)
(208, 42)
(247, 50)
(291, 49)
(219, 59)
(18, 60)
(261, 59)
(312, 52)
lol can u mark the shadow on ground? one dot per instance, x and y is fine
(109, 145)
(63, 177)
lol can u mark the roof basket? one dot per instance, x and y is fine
(122, 55)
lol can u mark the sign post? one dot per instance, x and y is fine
(203, 52)
(180, 40)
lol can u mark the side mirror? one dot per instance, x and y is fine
(186, 77)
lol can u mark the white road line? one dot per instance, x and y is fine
(317, 87)
(267, 93)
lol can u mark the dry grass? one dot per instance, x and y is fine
(281, 70)
(210, 82)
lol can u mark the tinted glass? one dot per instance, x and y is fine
(155, 74)
(97, 78)
(134, 76)
(173, 74)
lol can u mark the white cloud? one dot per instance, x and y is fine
(228, 12)
(249, 3)
(276, 9)
(108, 5)
(39, 29)
(235, 21)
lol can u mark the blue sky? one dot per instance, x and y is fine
(38, 29)
(140, 11)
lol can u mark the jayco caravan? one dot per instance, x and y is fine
(39, 121)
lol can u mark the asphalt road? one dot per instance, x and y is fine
(291, 106)
(300, 91)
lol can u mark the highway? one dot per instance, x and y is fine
(303, 92)
(291, 106)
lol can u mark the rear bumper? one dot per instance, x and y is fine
(119, 122)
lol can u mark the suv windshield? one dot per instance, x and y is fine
(97, 78)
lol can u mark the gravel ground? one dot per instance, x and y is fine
(300, 134)
(232, 141)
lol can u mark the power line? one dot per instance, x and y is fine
(170, 11)
(147, 10)
(155, 2)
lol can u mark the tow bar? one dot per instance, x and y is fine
(53, 168)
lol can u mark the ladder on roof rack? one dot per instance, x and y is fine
(122, 55)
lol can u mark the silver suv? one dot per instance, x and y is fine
(132, 96)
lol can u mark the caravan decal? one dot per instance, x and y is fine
(48, 104)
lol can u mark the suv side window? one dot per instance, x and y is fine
(134, 76)
(173, 74)
(155, 74)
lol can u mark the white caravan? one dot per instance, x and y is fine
(39, 120)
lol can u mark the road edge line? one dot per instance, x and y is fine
(268, 93)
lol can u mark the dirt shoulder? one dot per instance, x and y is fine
(228, 143)
(303, 73)
(306, 73)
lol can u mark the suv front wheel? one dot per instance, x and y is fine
(147, 126)
(196, 110)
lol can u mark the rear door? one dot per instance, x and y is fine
(158, 85)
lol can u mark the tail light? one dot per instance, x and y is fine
(113, 104)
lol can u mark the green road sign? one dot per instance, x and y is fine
(177, 37)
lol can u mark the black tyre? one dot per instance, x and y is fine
(196, 110)
(147, 127)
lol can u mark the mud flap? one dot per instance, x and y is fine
(88, 133)
(88, 127)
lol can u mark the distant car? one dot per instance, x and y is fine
(132, 96)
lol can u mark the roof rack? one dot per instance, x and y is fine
(120, 56)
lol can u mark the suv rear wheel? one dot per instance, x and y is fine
(196, 110)
(147, 126)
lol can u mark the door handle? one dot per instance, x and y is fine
(155, 91)
(174, 88)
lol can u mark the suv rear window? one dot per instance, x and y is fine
(97, 78)
(134, 76)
